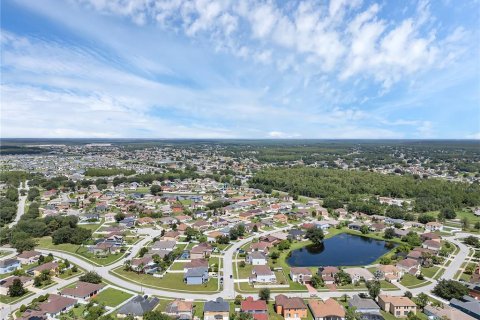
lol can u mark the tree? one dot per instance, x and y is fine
(426, 218)
(448, 213)
(450, 289)
(352, 314)
(315, 235)
(156, 190)
(472, 241)
(274, 255)
(373, 288)
(264, 294)
(142, 251)
(413, 239)
(91, 277)
(22, 241)
(389, 233)
(119, 216)
(156, 315)
(343, 278)
(465, 223)
(16, 289)
(469, 269)
(317, 281)
(238, 300)
(421, 300)
(255, 228)
(408, 294)
(364, 229)
(477, 225)
(284, 245)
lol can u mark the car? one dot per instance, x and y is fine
(231, 276)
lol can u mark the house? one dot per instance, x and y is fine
(212, 236)
(389, 273)
(262, 274)
(434, 226)
(140, 264)
(358, 274)
(56, 304)
(171, 235)
(377, 227)
(329, 309)
(218, 309)
(328, 274)
(367, 307)
(432, 245)
(202, 250)
(445, 312)
(110, 217)
(104, 248)
(138, 306)
(196, 275)
(280, 218)
(201, 225)
(7, 282)
(296, 234)
(468, 305)
(430, 236)
(410, 266)
(257, 308)
(398, 306)
(164, 245)
(51, 266)
(29, 257)
(257, 258)
(180, 309)
(260, 246)
(83, 290)
(355, 226)
(195, 263)
(9, 265)
(300, 274)
(290, 308)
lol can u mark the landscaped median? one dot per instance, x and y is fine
(169, 282)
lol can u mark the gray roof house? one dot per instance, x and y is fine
(368, 308)
(198, 275)
(167, 245)
(138, 306)
(218, 305)
(467, 305)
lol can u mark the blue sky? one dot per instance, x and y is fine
(240, 69)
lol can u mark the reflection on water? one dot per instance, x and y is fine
(341, 250)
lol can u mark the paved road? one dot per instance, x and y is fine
(228, 291)
(21, 205)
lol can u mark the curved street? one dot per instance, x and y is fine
(228, 290)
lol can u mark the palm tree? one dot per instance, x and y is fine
(128, 265)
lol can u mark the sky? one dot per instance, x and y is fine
(329, 69)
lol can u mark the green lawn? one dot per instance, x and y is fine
(430, 272)
(177, 266)
(171, 281)
(80, 251)
(11, 300)
(410, 281)
(112, 297)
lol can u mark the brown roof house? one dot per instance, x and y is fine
(7, 282)
(83, 290)
(410, 266)
(29, 257)
(51, 266)
(398, 306)
(326, 310)
(56, 304)
(389, 273)
(290, 308)
(180, 309)
(203, 250)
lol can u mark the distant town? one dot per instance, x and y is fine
(239, 230)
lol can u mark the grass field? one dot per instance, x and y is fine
(410, 281)
(80, 251)
(430, 272)
(112, 297)
(171, 281)
(11, 300)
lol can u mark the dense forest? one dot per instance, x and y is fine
(350, 186)
(106, 172)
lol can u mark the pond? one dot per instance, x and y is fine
(341, 250)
